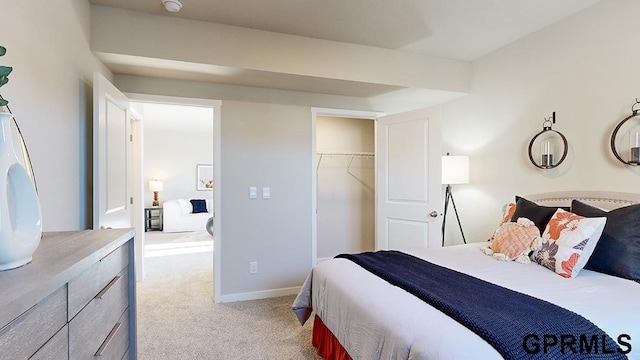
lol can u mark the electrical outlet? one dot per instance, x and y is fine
(253, 267)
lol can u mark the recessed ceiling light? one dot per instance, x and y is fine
(172, 5)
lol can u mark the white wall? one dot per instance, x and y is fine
(345, 200)
(265, 146)
(585, 69)
(49, 93)
(172, 156)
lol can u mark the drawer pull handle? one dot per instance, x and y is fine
(17, 318)
(112, 251)
(107, 341)
(106, 289)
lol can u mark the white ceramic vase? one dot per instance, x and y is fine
(20, 214)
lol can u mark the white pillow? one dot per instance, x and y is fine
(185, 206)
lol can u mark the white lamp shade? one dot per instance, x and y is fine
(455, 169)
(155, 185)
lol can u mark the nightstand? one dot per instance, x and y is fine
(153, 218)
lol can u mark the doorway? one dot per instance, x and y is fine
(407, 178)
(330, 147)
(345, 176)
(177, 170)
(181, 179)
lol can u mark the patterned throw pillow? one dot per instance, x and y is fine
(507, 213)
(513, 241)
(567, 242)
(509, 209)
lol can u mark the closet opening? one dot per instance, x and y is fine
(345, 185)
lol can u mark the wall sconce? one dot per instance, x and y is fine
(634, 138)
(155, 186)
(549, 141)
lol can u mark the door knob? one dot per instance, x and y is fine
(433, 213)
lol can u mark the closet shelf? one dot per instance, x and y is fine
(350, 155)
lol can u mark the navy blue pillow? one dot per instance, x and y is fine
(199, 206)
(618, 250)
(540, 215)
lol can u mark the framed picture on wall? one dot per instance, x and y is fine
(204, 177)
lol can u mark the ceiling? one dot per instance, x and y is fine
(453, 29)
(177, 118)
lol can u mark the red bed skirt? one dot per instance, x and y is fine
(328, 345)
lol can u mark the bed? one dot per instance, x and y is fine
(361, 316)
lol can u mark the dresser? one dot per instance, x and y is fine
(75, 300)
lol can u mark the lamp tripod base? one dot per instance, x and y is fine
(449, 197)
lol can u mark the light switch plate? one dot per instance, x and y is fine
(266, 193)
(253, 192)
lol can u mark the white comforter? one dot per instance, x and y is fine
(375, 320)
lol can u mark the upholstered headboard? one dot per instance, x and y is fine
(607, 200)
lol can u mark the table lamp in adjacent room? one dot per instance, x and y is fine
(155, 186)
(455, 170)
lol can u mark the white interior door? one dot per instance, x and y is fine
(111, 156)
(408, 168)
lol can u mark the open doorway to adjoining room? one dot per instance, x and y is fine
(178, 171)
(177, 166)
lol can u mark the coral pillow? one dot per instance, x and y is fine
(567, 242)
(513, 240)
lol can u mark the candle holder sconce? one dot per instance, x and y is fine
(549, 141)
(633, 132)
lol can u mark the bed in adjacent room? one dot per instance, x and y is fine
(573, 291)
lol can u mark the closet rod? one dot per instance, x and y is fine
(351, 155)
(363, 154)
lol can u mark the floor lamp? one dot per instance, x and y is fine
(455, 170)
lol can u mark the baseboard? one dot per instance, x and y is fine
(256, 295)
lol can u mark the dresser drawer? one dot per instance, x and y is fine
(55, 349)
(88, 284)
(89, 329)
(24, 335)
(116, 344)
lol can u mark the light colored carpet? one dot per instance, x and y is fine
(163, 244)
(177, 318)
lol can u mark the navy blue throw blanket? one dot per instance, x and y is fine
(518, 326)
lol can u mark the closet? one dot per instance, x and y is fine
(345, 171)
